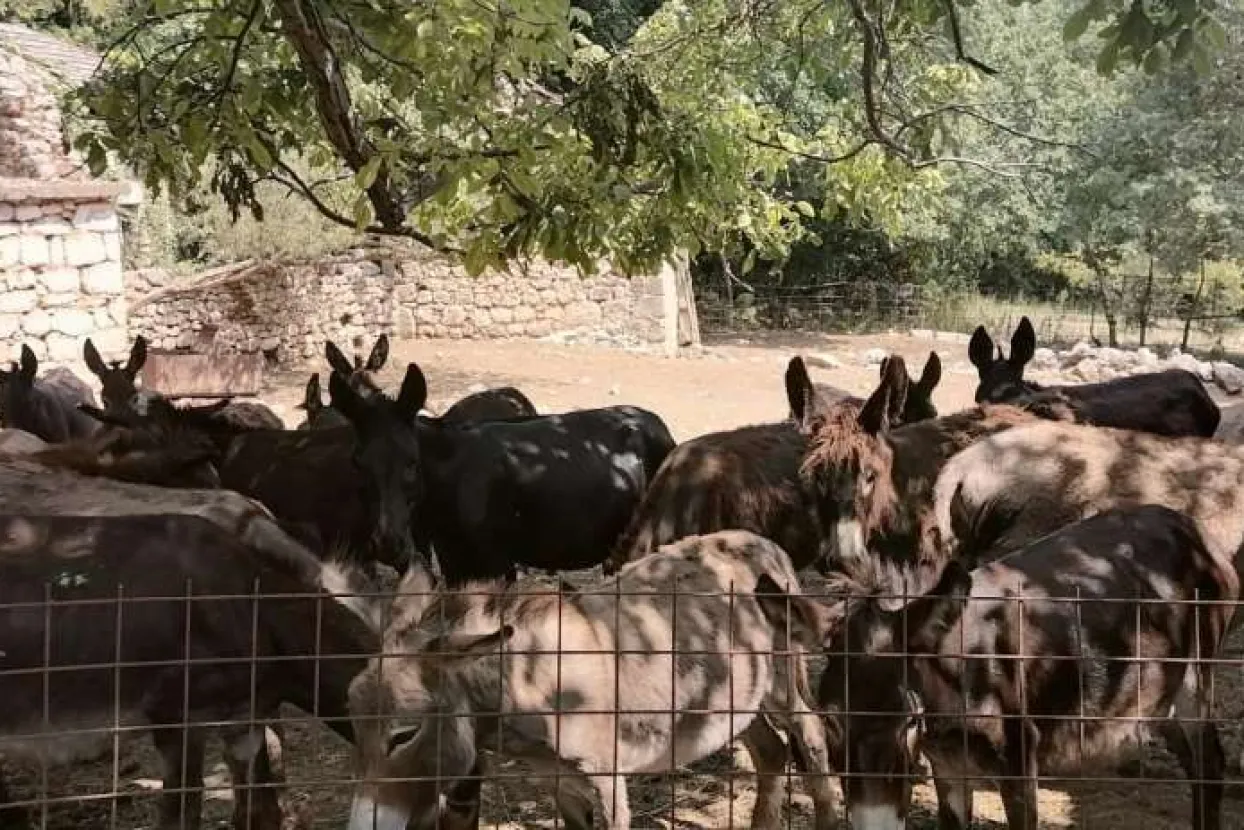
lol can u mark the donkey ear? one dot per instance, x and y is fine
(311, 400)
(454, 647)
(344, 399)
(93, 360)
(414, 393)
(1023, 343)
(338, 361)
(932, 374)
(885, 405)
(30, 364)
(138, 357)
(810, 623)
(980, 349)
(928, 619)
(379, 354)
(800, 393)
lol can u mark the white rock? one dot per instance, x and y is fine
(873, 357)
(10, 251)
(1044, 360)
(1229, 376)
(95, 217)
(60, 279)
(73, 321)
(10, 324)
(104, 278)
(85, 249)
(822, 359)
(36, 322)
(61, 347)
(34, 249)
(17, 302)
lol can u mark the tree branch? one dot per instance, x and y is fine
(305, 30)
(957, 36)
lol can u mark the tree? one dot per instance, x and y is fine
(500, 130)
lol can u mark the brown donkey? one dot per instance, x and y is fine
(873, 485)
(1121, 618)
(1013, 487)
(748, 478)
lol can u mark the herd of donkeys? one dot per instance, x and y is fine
(1017, 589)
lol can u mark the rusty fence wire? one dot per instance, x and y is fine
(536, 679)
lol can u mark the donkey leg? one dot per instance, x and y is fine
(11, 818)
(769, 759)
(954, 794)
(1019, 787)
(255, 803)
(181, 751)
(614, 807)
(1193, 738)
(807, 734)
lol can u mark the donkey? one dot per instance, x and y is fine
(485, 497)
(47, 407)
(30, 488)
(361, 376)
(1121, 618)
(319, 416)
(447, 688)
(872, 486)
(748, 478)
(498, 404)
(126, 404)
(158, 620)
(918, 406)
(1032, 480)
(1173, 402)
(126, 455)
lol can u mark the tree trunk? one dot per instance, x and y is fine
(1145, 302)
(1196, 304)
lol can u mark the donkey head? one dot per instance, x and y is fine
(919, 404)
(360, 375)
(848, 463)
(870, 690)
(120, 392)
(16, 386)
(319, 416)
(1002, 378)
(387, 454)
(412, 722)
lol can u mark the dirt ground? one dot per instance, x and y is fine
(734, 381)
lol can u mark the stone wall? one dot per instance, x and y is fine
(31, 145)
(289, 310)
(60, 269)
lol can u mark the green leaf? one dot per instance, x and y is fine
(366, 175)
(805, 208)
(1077, 24)
(749, 262)
(1108, 57)
(1183, 45)
(364, 213)
(1214, 33)
(1156, 60)
(1202, 61)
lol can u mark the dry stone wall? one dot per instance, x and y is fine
(289, 310)
(30, 123)
(60, 269)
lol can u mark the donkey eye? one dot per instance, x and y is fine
(400, 737)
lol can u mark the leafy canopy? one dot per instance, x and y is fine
(503, 129)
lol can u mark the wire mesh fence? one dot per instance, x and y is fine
(550, 705)
(863, 307)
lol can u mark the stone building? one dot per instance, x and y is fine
(60, 238)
